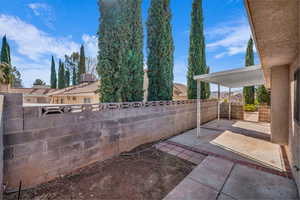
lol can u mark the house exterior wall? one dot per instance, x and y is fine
(293, 147)
(280, 92)
(82, 99)
(40, 146)
(36, 99)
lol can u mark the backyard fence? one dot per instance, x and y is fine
(42, 143)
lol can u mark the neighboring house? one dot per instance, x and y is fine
(78, 94)
(34, 95)
(87, 93)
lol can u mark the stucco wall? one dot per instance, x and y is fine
(280, 88)
(40, 145)
(293, 147)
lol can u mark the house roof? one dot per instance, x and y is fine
(179, 90)
(32, 91)
(246, 76)
(83, 88)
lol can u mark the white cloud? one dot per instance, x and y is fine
(32, 42)
(90, 45)
(234, 37)
(32, 48)
(44, 11)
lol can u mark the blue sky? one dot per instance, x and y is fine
(37, 29)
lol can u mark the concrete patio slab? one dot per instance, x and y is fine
(212, 172)
(189, 189)
(202, 143)
(248, 183)
(243, 127)
(264, 152)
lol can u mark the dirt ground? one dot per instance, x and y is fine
(149, 174)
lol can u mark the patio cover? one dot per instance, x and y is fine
(246, 76)
(236, 78)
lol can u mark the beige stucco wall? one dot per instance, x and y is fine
(293, 147)
(280, 98)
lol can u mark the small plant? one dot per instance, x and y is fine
(250, 107)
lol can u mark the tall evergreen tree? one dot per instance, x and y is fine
(61, 75)
(197, 57)
(134, 60)
(249, 92)
(5, 51)
(67, 77)
(113, 48)
(81, 67)
(160, 51)
(74, 76)
(53, 78)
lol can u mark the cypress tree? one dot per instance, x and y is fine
(61, 75)
(74, 76)
(133, 70)
(5, 51)
(81, 67)
(67, 78)
(249, 92)
(113, 45)
(160, 51)
(197, 57)
(53, 78)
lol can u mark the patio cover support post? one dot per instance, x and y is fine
(219, 101)
(229, 100)
(198, 107)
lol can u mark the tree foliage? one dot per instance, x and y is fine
(39, 82)
(197, 57)
(5, 51)
(134, 58)
(81, 68)
(61, 75)
(113, 45)
(8, 73)
(263, 95)
(53, 78)
(67, 77)
(249, 91)
(72, 63)
(160, 51)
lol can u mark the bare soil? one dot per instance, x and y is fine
(147, 175)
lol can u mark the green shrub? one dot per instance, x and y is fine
(263, 95)
(250, 108)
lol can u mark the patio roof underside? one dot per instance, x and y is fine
(246, 76)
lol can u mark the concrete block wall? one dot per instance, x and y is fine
(40, 146)
(237, 111)
(264, 113)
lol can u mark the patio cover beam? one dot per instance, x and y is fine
(236, 78)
